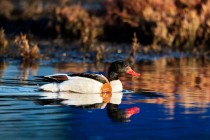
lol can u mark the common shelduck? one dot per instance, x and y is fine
(89, 83)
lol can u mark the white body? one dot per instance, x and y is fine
(81, 85)
(71, 98)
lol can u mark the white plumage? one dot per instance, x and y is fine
(81, 85)
(116, 86)
(89, 83)
(75, 84)
(71, 98)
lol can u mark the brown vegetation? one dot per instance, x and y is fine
(25, 51)
(178, 24)
(181, 25)
(3, 42)
(77, 21)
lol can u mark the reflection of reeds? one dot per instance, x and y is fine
(185, 82)
(73, 67)
(25, 68)
(3, 66)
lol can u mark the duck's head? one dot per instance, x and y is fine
(118, 67)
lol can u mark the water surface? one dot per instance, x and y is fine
(170, 100)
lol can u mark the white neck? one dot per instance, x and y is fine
(116, 86)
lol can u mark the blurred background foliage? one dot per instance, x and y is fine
(181, 25)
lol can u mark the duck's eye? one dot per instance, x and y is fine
(125, 65)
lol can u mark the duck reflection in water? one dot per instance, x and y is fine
(122, 115)
(91, 101)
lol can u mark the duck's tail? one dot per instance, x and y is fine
(52, 87)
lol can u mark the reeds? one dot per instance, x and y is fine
(181, 25)
(25, 51)
(75, 21)
(134, 49)
(176, 24)
(3, 42)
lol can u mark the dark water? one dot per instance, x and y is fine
(171, 100)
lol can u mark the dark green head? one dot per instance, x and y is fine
(118, 67)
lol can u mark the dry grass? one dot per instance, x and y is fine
(3, 42)
(173, 24)
(134, 49)
(76, 21)
(25, 51)
(179, 24)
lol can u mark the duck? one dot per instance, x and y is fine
(89, 83)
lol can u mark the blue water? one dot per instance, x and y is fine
(26, 113)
